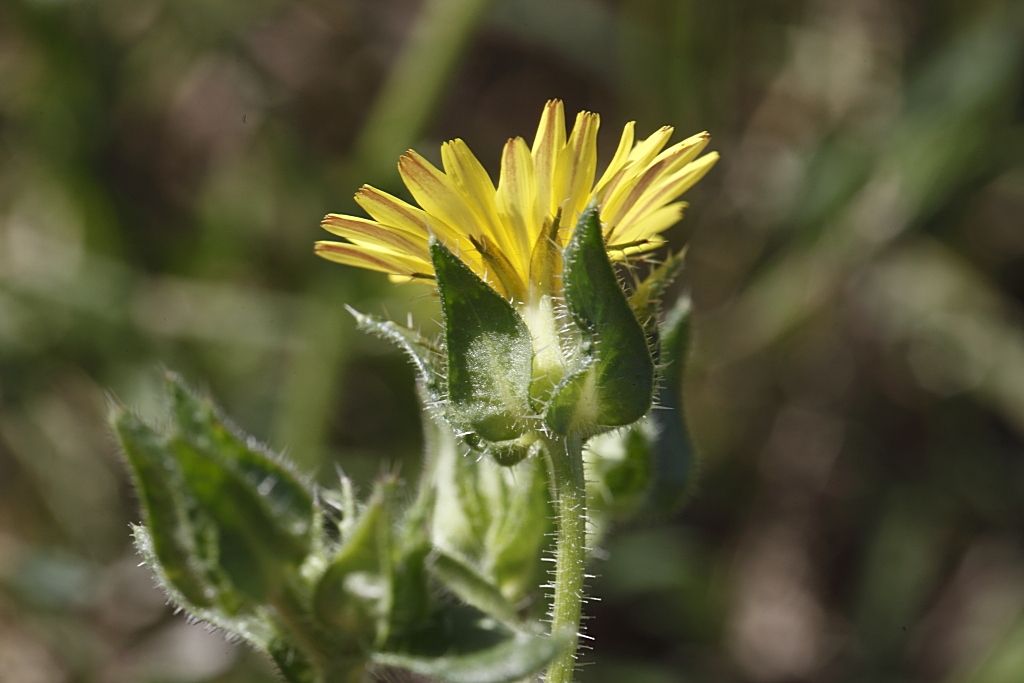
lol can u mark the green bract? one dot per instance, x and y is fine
(613, 383)
(489, 352)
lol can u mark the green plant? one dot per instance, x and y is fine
(544, 354)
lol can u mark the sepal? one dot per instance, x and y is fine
(645, 299)
(613, 383)
(489, 353)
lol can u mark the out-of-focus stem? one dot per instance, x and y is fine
(421, 70)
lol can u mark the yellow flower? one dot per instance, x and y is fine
(503, 233)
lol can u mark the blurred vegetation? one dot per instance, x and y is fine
(856, 262)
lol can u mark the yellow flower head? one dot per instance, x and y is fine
(502, 233)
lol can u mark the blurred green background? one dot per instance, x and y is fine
(856, 261)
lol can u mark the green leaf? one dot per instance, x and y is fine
(255, 550)
(671, 442)
(258, 513)
(615, 385)
(459, 516)
(200, 424)
(159, 483)
(512, 658)
(498, 518)
(472, 587)
(518, 536)
(425, 356)
(489, 352)
(411, 598)
(252, 627)
(620, 472)
(354, 595)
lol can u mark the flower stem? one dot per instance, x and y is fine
(565, 460)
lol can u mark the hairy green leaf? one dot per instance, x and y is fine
(159, 483)
(252, 627)
(517, 538)
(255, 550)
(200, 424)
(496, 517)
(620, 472)
(292, 662)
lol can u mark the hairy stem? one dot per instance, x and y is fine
(565, 460)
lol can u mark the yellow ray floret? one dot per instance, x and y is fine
(499, 231)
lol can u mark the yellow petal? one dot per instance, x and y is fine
(390, 210)
(576, 167)
(517, 194)
(363, 231)
(647, 149)
(547, 144)
(404, 279)
(436, 193)
(683, 152)
(545, 261)
(475, 186)
(497, 231)
(668, 188)
(619, 159)
(373, 258)
(647, 226)
(628, 193)
(501, 273)
(623, 254)
(637, 162)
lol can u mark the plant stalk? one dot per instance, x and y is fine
(565, 461)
